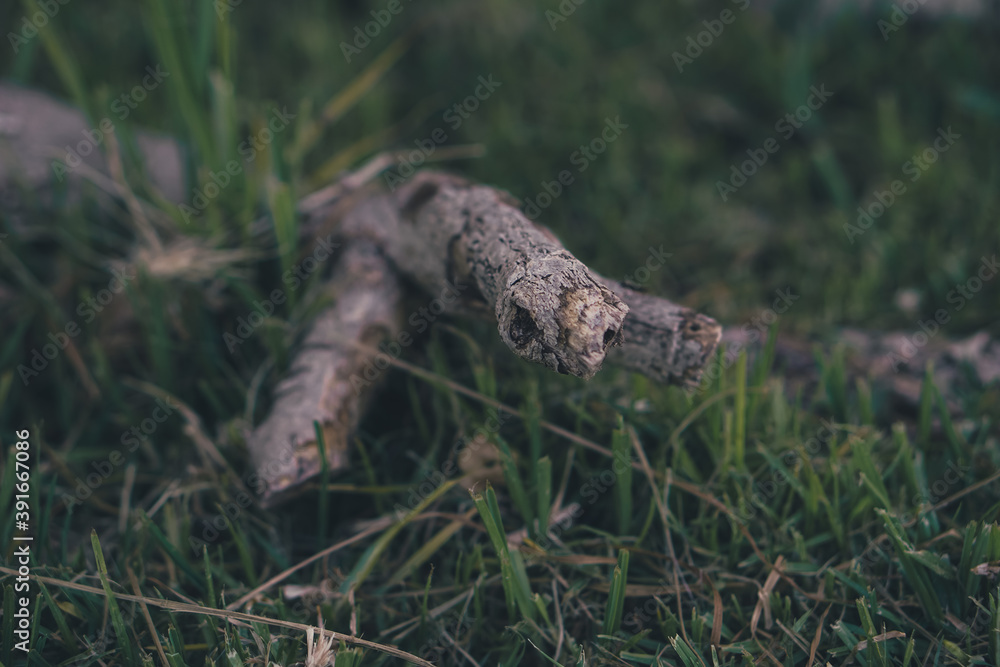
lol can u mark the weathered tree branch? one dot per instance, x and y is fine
(450, 236)
(319, 386)
(443, 232)
(550, 308)
(664, 341)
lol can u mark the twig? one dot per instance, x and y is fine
(327, 382)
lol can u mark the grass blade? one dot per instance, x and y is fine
(370, 558)
(324, 482)
(543, 493)
(347, 98)
(740, 425)
(515, 485)
(621, 448)
(616, 596)
(499, 541)
(121, 631)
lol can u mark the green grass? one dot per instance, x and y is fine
(759, 524)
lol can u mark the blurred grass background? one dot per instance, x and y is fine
(655, 185)
(658, 183)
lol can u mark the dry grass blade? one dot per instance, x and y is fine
(353, 181)
(281, 576)
(457, 647)
(799, 641)
(135, 209)
(190, 259)
(675, 442)
(819, 635)
(149, 619)
(33, 287)
(408, 626)
(194, 429)
(636, 590)
(348, 97)
(568, 435)
(319, 652)
(558, 516)
(892, 634)
(557, 603)
(482, 398)
(185, 608)
(688, 487)
(429, 548)
(764, 598)
(717, 611)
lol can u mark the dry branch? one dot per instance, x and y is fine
(664, 341)
(550, 308)
(450, 238)
(319, 385)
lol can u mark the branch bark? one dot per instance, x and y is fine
(666, 342)
(322, 384)
(448, 235)
(453, 238)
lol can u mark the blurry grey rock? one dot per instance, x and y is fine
(37, 132)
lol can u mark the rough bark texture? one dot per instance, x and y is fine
(471, 249)
(326, 382)
(664, 341)
(449, 235)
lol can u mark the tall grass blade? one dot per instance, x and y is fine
(121, 630)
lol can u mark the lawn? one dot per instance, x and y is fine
(803, 171)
